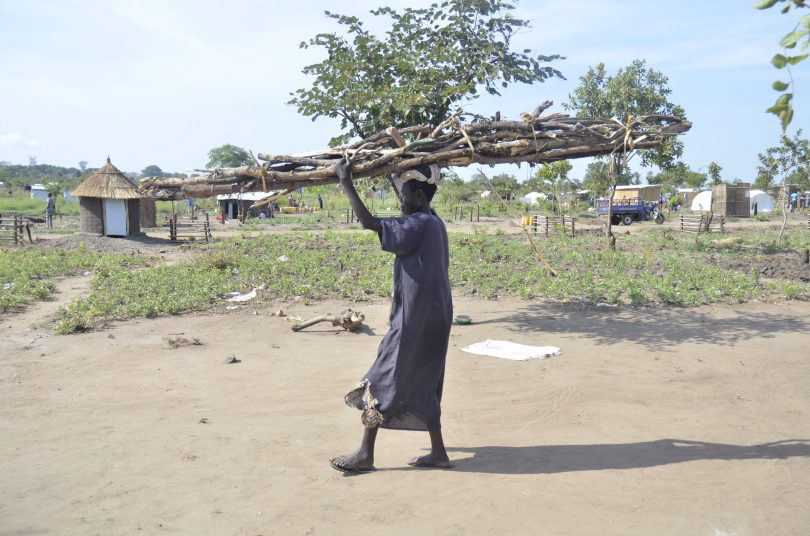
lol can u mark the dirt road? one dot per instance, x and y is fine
(678, 421)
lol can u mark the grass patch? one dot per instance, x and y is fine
(118, 293)
(649, 269)
(26, 274)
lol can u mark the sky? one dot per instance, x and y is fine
(162, 82)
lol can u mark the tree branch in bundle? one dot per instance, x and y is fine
(452, 143)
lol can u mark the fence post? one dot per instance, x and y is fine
(478, 212)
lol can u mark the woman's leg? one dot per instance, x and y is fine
(362, 459)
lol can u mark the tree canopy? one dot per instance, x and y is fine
(228, 156)
(789, 162)
(429, 60)
(714, 173)
(678, 176)
(552, 177)
(635, 90)
(152, 171)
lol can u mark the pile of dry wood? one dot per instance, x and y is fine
(453, 143)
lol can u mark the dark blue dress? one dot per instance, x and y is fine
(407, 377)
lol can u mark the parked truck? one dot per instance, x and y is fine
(626, 211)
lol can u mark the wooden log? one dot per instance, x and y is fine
(536, 140)
(348, 320)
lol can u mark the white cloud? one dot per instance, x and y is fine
(14, 139)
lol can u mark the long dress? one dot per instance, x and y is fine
(406, 380)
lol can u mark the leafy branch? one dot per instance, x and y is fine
(799, 37)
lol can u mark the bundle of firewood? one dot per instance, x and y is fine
(452, 143)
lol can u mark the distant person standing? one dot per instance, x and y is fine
(50, 208)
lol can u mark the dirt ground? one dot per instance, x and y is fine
(651, 421)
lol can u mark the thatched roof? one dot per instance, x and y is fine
(108, 183)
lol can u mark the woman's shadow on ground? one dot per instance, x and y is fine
(543, 459)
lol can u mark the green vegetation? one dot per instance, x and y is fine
(658, 267)
(634, 91)
(783, 107)
(118, 293)
(427, 62)
(25, 274)
(228, 156)
(22, 203)
(787, 163)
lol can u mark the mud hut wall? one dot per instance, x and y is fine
(732, 200)
(134, 215)
(148, 213)
(91, 216)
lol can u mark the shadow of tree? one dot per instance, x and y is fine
(654, 328)
(566, 458)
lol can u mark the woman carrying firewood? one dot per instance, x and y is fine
(403, 388)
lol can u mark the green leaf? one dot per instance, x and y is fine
(765, 4)
(790, 40)
(793, 60)
(779, 61)
(784, 99)
(780, 86)
(786, 117)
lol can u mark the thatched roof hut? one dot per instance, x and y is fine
(108, 203)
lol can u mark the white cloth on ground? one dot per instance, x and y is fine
(511, 350)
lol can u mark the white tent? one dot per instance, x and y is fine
(702, 201)
(763, 201)
(532, 197)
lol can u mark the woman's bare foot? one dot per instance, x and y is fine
(353, 463)
(432, 461)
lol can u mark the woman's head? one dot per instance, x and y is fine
(416, 192)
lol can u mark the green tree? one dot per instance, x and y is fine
(504, 184)
(714, 173)
(455, 190)
(83, 166)
(789, 161)
(228, 156)
(799, 36)
(152, 171)
(429, 60)
(633, 91)
(677, 176)
(598, 177)
(550, 177)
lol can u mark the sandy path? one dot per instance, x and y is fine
(680, 421)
